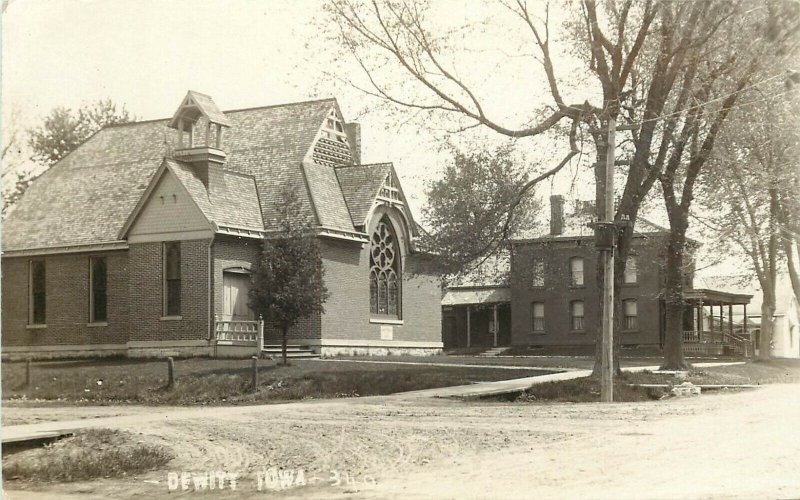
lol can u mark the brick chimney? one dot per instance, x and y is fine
(353, 131)
(556, 215)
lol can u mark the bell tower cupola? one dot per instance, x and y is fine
(200, 124)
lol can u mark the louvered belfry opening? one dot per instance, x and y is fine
(332, 147)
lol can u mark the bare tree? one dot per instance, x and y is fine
(637, 54)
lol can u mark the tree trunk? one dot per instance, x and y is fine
(673, 295)
(767, 327)
(284, 336)
(789, 246)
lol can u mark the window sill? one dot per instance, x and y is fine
(578, 332)
(576, 287)
(35, 327)
(538, 333)
(386, 321)
(171, 318)
(97, 324)
(630, 284)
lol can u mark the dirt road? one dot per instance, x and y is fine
(738, 445)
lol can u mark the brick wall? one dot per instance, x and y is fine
(146, 293)
(558, 293)
(67, 301)
(347, 313)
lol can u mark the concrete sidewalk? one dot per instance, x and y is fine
(17, 433)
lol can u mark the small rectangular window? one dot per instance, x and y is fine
(631, 314)
(172, 279)
(630, 271)
(576, 313)
(576, 271)
(537, 272)
(98, 297)
(37, 314)
(537, 317)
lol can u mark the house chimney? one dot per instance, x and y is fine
(353, 131)
(556, 215)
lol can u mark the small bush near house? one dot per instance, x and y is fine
(89, 454)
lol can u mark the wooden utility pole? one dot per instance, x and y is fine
(607, 368)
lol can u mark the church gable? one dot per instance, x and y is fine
(168, 213)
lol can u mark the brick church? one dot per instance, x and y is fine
(140, 242)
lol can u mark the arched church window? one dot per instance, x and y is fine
(384, 275)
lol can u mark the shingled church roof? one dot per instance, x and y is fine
(87, 197)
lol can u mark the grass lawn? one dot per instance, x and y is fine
(89, 454)
(216, 381)
(585, 389)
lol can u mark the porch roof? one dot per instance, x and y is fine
(460, 296)
(716, 297)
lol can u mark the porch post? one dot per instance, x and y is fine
(496, 325)
(721, 322)
(730, 318)
(699, 319)
(260, 340)
(469, 334)
(746, 333)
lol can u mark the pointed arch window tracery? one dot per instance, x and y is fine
(385, 271)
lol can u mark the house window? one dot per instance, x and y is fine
(630, 271)
(98, 297)
(576, 271)
(537, 317)
(384, 273)
(537, 272)
(576, 315)
(172, 279)
(631, 314)
(38, 297)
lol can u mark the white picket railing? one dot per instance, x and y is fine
(240, 331)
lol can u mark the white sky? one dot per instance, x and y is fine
(147, 54)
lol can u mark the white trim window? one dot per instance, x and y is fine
(537, 317)
(537, 272)
(631, 272)
(630, 314)
(576, 312)
(576, 271)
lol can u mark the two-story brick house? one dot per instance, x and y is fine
(141, 240)
(555, 299)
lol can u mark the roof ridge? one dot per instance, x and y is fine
(384, 164)
(239, 110)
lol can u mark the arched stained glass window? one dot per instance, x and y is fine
(384, 274)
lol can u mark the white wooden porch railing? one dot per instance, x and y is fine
(240, 331)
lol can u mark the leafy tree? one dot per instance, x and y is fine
(736, 68)
(63, 130)
(636, 57)
(752, 195)
(288, 279)
(475, 206)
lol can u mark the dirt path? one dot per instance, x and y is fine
(746, 446)
(742, 445)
